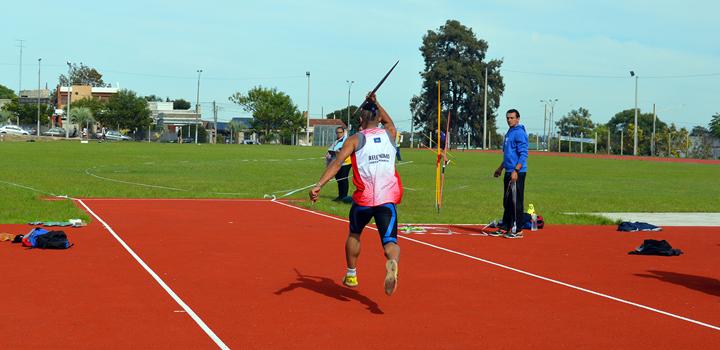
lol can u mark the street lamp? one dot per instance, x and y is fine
(38, 100)
(197, 106)
(635, 132)
(307, 119)
(349, 82)
(69, 98)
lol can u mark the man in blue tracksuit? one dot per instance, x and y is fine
(515, 155)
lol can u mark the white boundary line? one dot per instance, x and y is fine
(87, 171)
(179, 199)
(528, 274)
(159, 280)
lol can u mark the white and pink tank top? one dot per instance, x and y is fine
(374, 173)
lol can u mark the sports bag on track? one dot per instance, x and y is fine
(44, 239)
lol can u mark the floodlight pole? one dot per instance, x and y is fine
(38, 100)
(635, 132)
(307, 119)
(545, 126)
(485, 129)
(197, 106)
(349, 82)
(69, 98)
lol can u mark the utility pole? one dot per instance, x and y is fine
(596, 142)
(412, 131)
(608, 145)
(20, 78)
(69, 98)
(652, 141)
(468, 136)
(485, 131)
(307, 120)
(635, 131)
(38, 100)
(215, 110)
(197, 106)
(545, 125)
(350, 82)
(622, 153)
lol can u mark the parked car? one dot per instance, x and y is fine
(13, 129)
(250, 142)
(56, 131)
(116, 136)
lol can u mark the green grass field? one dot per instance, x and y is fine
(554, 184)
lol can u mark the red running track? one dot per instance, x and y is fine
(262, 274)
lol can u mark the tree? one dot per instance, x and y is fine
(27, 113)
(235, 126)
(714, 125)
(181, 104)
(95, 105)
(342, 114)
(699, 131)
(624, 119)
(82, 116)
(577, 122)
(153, 98)
(83, 75)
(601, 130)
(456, 58)
(6, 92)
(5, 116)
(272, 110)
(701, 145)
(126, 110)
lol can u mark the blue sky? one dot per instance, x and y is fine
(576, 51)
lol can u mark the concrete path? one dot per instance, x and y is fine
(667, 219)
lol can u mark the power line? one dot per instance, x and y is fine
(594, 76)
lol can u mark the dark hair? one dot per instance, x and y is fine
(339, 128)
(517, 114)
(369, 111)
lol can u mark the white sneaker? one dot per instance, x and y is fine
(391, 276)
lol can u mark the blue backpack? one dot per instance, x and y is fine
(41, 238)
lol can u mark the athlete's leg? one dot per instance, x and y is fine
(392, 251)
(386, 221)
(352, 250)
(359, 217)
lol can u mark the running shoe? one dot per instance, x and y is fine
(391, 277)
(513, 235)
(350, 281)
(497, 233)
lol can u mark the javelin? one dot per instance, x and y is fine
(377, 86)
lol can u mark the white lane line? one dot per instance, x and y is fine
(528, 274)
(87, 171)
(159, 280)
(179, 199)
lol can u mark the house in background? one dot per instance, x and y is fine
(77, 93)
(322, 131)
(172, 120)
(242, 135)
(31, 96)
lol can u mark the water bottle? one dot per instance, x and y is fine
(533, 226)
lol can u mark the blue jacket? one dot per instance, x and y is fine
(515, 149)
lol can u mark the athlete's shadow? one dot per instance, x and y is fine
(328, 287)
(703, 284)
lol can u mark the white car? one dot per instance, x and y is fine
(57, 132)
(117, 136)
(13, 129)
